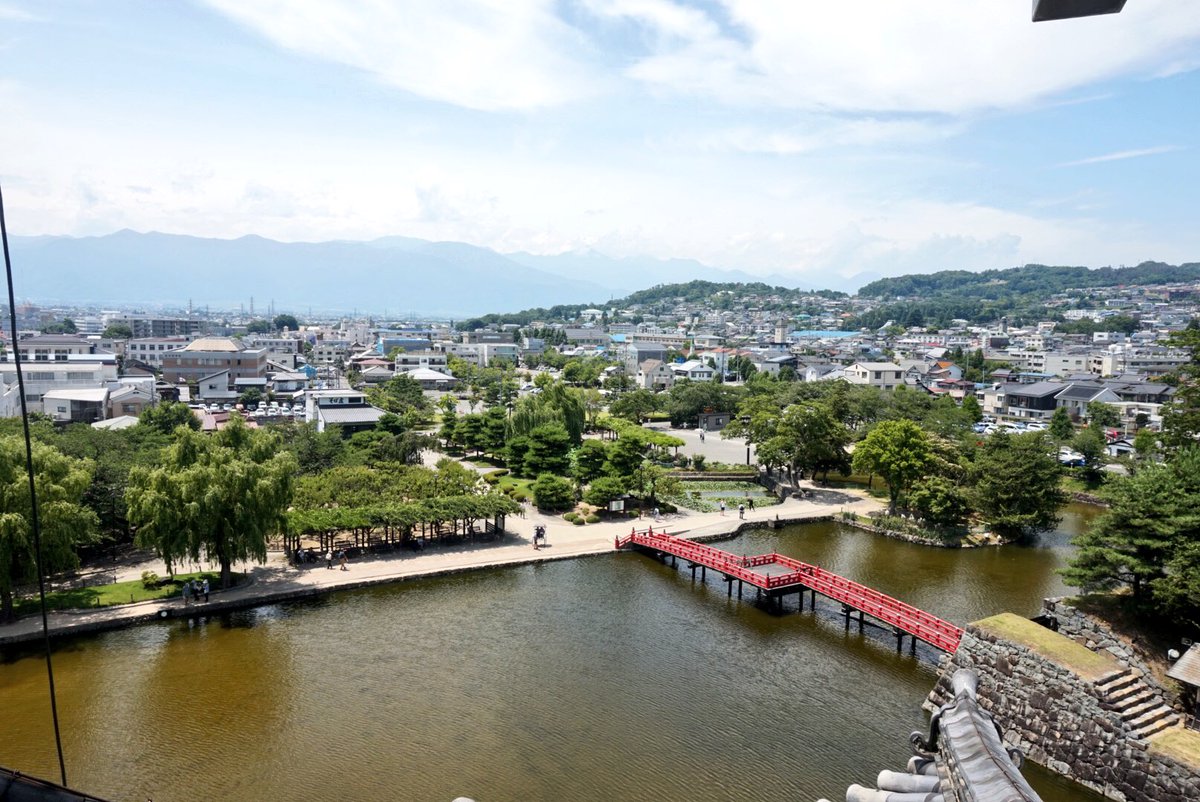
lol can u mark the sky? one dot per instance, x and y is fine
(808, 140)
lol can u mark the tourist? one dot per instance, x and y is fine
(197, 589)
(187, 593)
(750, 501)
(342, 557)
(721, 503)
(701, 435)
(329, 559)
(741, 511)
(656, 513)
(205, 589)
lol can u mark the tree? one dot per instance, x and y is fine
(897, 450)
(65, 522)
(687, 399)
(940, 502)
(117, 331)
(551, 492)
(1015, 484)
(315, 452)
(167, 416)
(64, 326)
(1181, 415)
(636, 406)
(548, 450)
(288, 322)
(603, 490)
(252, 395)
(1061, 427)
(258, 326)
(1153, 518)
(1090, 443)
(811, 440)
(218, 496)
(1102, 415)
(589, 460)
(970, 405)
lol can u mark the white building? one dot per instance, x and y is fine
(70, 372)
(151, 349)
(884, 375)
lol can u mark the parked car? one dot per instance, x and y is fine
(1036, 426)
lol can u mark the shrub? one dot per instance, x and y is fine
(519, 496)
(578, 521)
(149, 580)
(570, 516)
(698, 462)
(552, 492)
(593, 518)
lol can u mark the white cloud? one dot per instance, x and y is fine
(481, 54)
(1123, 154)
(943, 56)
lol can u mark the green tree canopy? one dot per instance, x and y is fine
(1061, 427)
(899, 452)
(288, 322)
(167, 416)
(218, 496)
(65, 522)
(117, 331)
(1015, 484)
(1147, 538)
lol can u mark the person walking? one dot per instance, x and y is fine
(722, 505)
(750, 501)
(741, 511)
(329, 559)
(342, 556)
(187, 593)
(205, 586)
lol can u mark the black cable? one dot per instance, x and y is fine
(35, 521)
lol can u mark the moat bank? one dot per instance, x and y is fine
(607, 678)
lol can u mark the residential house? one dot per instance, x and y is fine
(208, 355)
(347, 409)
(216, 388)
(653, 374)
(1032, 401)
(884, 375)
(693, 369)
(76, 405)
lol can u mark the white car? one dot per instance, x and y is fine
(1036, 426)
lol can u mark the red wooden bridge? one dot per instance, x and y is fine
(777, 576)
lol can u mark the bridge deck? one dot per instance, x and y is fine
(778, 574)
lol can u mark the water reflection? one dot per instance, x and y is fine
(611, 678)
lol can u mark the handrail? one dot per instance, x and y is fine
(913, 620)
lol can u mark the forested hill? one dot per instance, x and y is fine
(1040, 280)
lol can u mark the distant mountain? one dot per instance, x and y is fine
(629, 274)
(396, 273)
(399, 274)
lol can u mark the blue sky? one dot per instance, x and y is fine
(804, 139)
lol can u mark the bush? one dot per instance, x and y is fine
(149, 580)
(593, 518)
(698, 462)
(578, 521)
(570, 516)
(519, 496)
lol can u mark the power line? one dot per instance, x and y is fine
(35, 521)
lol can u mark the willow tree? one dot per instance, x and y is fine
(218, 497)
(65, 523)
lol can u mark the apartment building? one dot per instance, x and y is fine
(208, 355)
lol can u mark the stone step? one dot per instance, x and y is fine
(1119, 683)
(1113, 676)
(1141, 708)
(1149, 717)
(1129, 695)
(1160, 725)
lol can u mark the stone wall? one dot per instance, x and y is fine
(1060, 721)
(1098, 637)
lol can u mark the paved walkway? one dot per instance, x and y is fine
(278, 581)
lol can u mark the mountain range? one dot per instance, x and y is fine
(398, 274)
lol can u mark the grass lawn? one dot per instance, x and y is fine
(1179, 743)
(116, 593)
(1076, 483)
(1057, 648)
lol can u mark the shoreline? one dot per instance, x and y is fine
(278, 582)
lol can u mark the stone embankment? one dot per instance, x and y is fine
(1079, 713)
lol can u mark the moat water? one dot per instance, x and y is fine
(608, 678)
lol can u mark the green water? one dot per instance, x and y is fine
(609, 678)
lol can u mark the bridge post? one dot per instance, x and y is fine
(912, 645)
(739, 588)
(861, 614)
(703, 573)
(846, 612)
(899, 633)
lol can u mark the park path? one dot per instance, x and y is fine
(278, 581)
